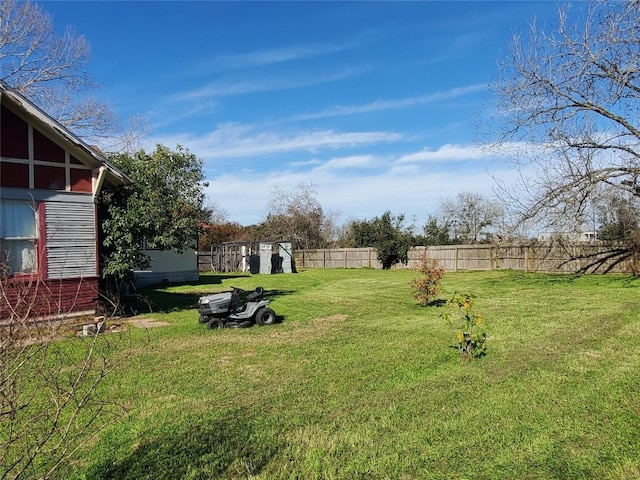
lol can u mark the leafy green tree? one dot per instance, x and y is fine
(620, 218)
(620, 225)
(162, 206)
(387, 234)
(436, 232)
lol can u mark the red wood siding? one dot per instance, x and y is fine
(37, 299)
(14, 175)
(14, 137)
(81, 180)
(49, 178)
(52, 167)
(45, 149)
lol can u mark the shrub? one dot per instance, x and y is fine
(469, 335)
(427, 286)
(387, 234)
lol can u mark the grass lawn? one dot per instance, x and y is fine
(359, 382)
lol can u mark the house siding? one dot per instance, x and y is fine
(70, 240)
(38, 299)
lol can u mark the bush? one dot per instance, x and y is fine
(427, 286)
(387, 234)
(467, 326)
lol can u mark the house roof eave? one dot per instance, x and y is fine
(114, 176)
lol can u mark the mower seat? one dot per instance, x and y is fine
(255, 295)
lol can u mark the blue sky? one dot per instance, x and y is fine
(375, 103)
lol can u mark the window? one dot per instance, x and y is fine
(18, 235)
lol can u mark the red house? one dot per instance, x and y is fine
(49, 182)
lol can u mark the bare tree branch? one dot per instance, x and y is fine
(297, 216)
(569, 104)
(51, 70)
(50, 404)
(572, 98)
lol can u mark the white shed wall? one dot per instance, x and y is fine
(168, 267)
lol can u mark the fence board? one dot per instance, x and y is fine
(538, 257)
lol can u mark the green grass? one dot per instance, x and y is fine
(358, 381)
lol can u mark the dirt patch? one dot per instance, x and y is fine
(147, 323)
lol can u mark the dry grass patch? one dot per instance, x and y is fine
(147, 323)
(292, 333)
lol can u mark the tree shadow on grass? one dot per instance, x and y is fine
(438, 302)
(159, 300)
(200, 448)
(216, 279)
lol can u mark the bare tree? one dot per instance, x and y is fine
(568, 104)
(51, 70)
(50, 403)
(471, 217)
(217, 214)
(297, 216)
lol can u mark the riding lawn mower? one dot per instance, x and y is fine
(236, 309)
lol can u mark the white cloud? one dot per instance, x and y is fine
(234, 140)
(235, 87)
(166, 115)
(344, 110)
(353, 161)
(445, 153)
(307, 163)
(268, 57)
(363, 195)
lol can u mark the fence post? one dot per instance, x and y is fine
(533, 258)
(492, 258)
(455, 261)
(495, 261)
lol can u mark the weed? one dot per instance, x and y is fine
(468, 327)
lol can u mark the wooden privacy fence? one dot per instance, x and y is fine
(538, 257)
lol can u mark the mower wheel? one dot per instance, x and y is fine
(265, 316)
(215, 323)
(203, 319)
